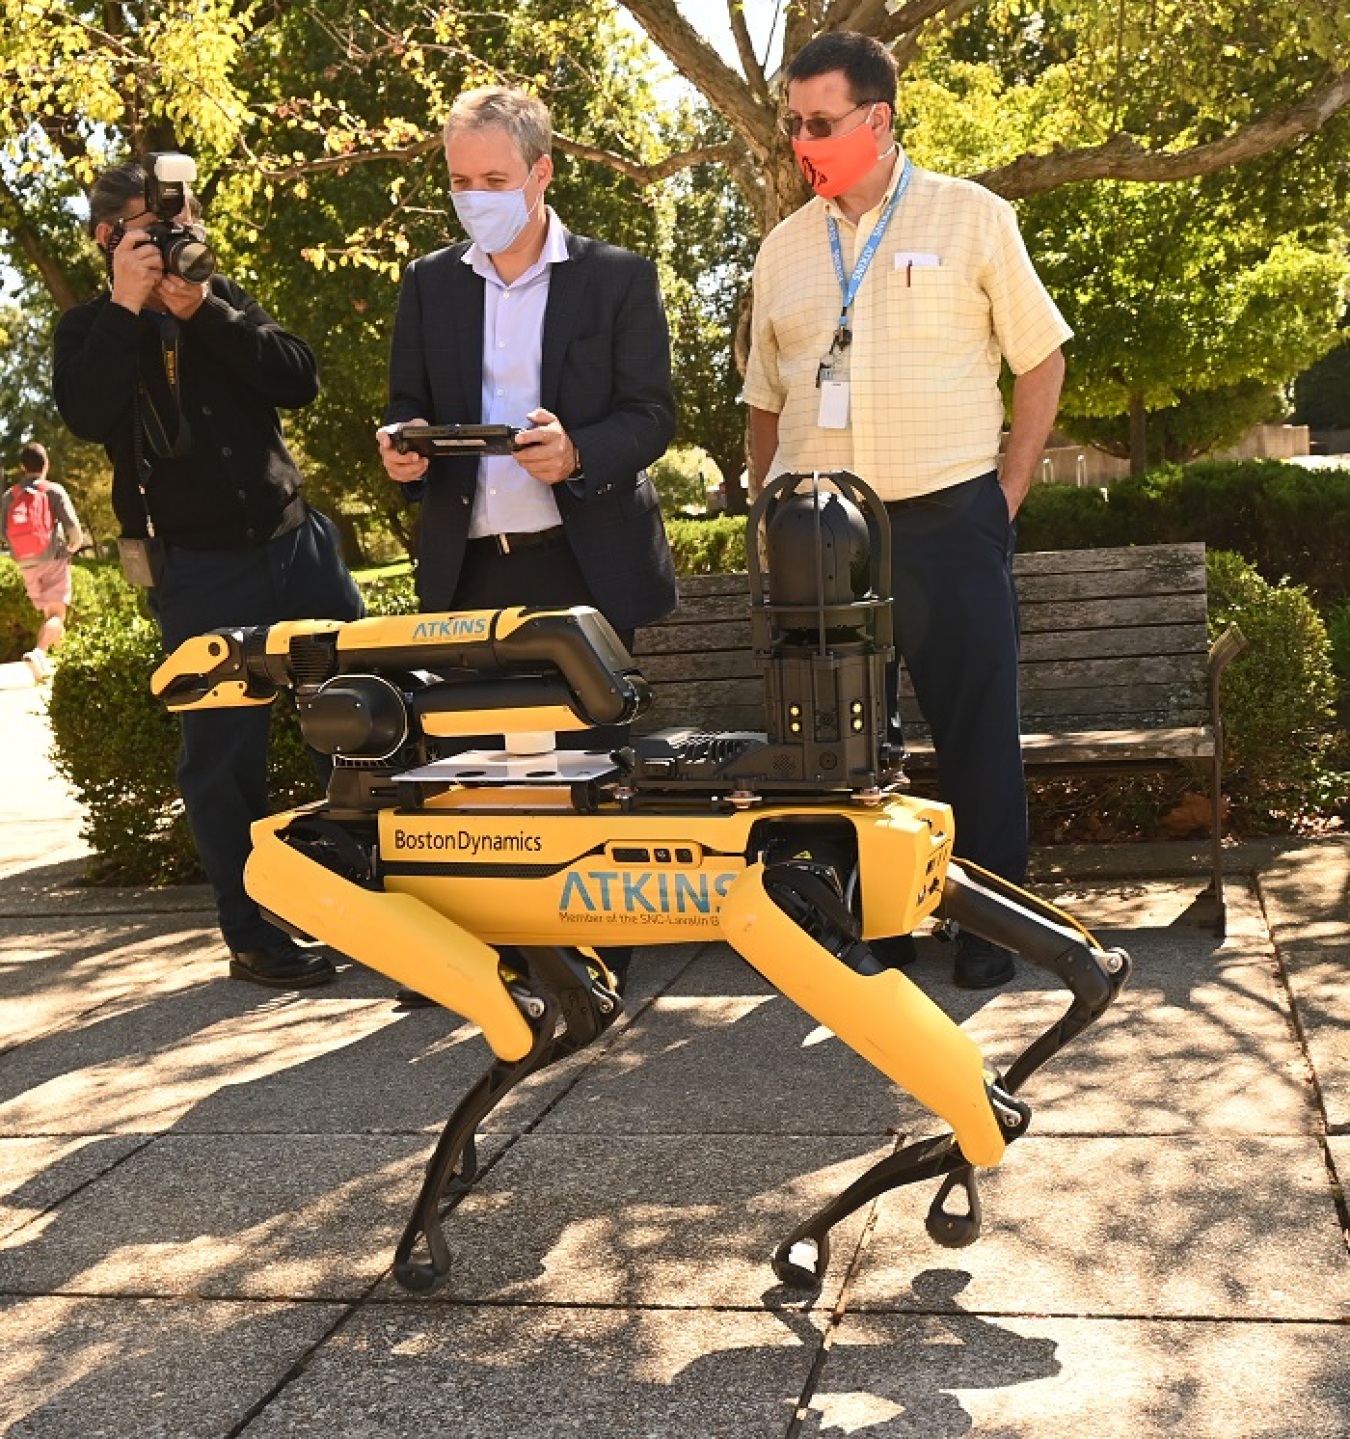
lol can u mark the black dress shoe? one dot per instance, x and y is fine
(895, 951)
(982, 965)
(284, 965)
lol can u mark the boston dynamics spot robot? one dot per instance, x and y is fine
(484, 878)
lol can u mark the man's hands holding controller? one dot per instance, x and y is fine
(546, 451)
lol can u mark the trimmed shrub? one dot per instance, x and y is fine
(96, 589)
(1277, 695)
(707, 547)
(1287, 520)
(389, 592)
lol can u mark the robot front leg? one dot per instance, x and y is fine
(566, 999)
(788, 923)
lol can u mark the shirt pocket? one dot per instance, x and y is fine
(930, 302)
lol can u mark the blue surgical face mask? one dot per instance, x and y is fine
(492, 218)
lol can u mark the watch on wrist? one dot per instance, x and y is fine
(578, 470)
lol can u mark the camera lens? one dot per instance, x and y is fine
(186, 255)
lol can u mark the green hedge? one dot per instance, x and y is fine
(1278, 695)
(707, 546)
(96, 589)
(1287, 520)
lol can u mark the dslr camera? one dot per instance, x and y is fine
(184, 247)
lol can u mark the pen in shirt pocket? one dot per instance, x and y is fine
(907, 260)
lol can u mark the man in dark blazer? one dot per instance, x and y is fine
(562, 336)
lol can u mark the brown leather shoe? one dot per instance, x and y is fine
(284, 965)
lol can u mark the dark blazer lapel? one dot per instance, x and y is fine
(466, 308)
(567, 288)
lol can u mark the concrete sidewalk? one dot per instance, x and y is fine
(201, 1184)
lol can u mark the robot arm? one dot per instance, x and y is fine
(482, 666)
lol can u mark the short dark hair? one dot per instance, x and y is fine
(867, 65)
(33, 457)
(113, 191)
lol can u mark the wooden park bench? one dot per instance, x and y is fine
(1117, 672)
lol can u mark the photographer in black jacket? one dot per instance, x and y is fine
(180, 381)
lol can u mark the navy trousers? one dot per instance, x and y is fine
(957, 633)
(222, 762)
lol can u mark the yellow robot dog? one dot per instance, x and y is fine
(484, 879)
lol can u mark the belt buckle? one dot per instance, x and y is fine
(503, 544)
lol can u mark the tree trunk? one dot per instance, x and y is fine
(1138, 435)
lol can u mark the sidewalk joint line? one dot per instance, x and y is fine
(1295, 1020)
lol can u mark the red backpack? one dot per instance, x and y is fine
(30, 523)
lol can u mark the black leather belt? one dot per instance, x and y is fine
(509, 544)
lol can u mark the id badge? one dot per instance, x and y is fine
(833, 405)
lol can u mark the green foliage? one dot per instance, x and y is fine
(389, 592)
(117, 747)
(1322, 392)
(1195, 424)
(1064, 517)
(1277, 695)
(707, 547)
(18, 618)
(682, 477)
(96, 589)
(1185, 300)
(1287, 520)
(1338, 634)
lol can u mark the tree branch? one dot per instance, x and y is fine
(754, 73)
(906, 47)
(1122, 157)
(722, 154)
(703, 67)
(53, 276)
(872, 17)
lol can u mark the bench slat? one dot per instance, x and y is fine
(1190, 742)
(713, 634)
(1184, 558)
(1132, 707)
(1140, 642)
(1122, 612)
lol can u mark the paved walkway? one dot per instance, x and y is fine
(201, 1184)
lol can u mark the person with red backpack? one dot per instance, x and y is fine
(41, 533)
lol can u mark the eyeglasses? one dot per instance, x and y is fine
(817, 127)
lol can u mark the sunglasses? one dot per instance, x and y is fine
(817, 127)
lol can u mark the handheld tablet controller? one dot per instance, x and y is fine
(437, 441)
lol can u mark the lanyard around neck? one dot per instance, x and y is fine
(848, 288)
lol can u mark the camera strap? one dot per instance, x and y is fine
(142, 465)
(166, 426)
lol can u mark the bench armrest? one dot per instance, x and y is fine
(1224, 651)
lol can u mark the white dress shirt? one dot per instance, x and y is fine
(508, 499)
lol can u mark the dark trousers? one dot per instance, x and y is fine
(222, 762)
(957, 633)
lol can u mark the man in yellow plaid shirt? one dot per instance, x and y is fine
(883, 309)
